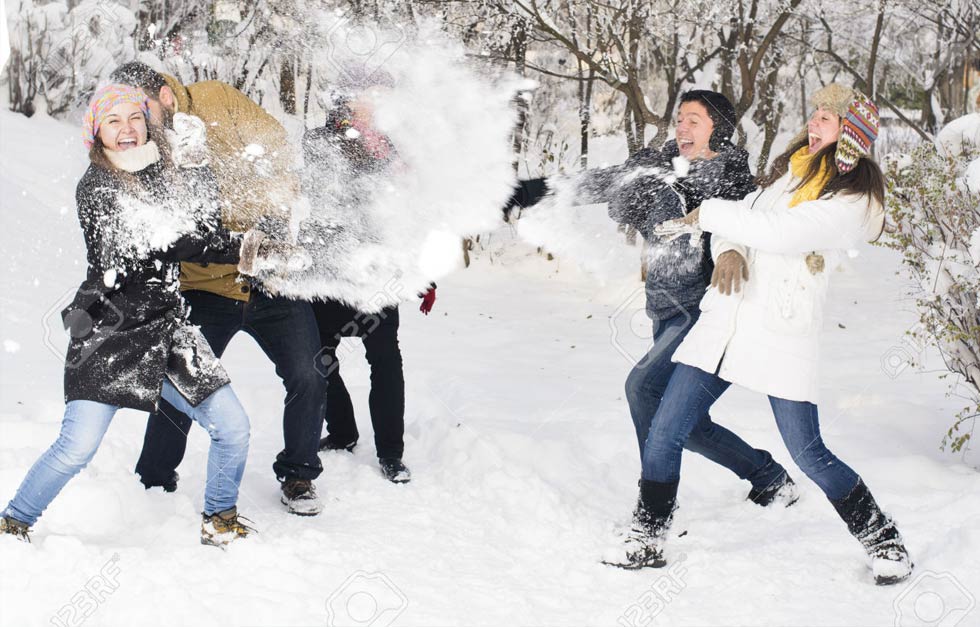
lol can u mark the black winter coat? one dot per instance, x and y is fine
(128, 321)
(645, 192)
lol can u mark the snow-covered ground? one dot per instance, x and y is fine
(523, 455)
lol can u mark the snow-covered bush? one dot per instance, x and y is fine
(60, 54)
(936, 219)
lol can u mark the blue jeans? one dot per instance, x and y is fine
(86, 422)
(689, 395)
(645, 387)
(286, 332)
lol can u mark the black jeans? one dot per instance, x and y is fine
(286, 332)
(379, 332)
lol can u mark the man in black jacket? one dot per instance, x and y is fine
(348, 143)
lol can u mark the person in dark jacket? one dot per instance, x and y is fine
(256, 191)
(131, 344)
(347, 141)
(654, 186)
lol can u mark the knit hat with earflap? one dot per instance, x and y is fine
(859, 123)
(720, 110)
(858, 133)
(102, 102)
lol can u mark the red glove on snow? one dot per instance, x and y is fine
(428, 300)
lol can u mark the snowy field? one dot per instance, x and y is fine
(523, 455)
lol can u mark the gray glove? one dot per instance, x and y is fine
(260, 253)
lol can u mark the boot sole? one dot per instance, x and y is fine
(219, 543)
(296, 512)
(326, 447)
(655, 564)
(891, 581)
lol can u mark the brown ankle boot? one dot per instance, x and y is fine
(220, 528)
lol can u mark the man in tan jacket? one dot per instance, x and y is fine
(251, 159)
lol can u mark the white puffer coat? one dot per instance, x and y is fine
(768, 333)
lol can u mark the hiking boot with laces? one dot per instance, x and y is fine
(220, 528)
(299, 497)
(16, 528)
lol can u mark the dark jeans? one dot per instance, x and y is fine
(645, 387)
(286, 332)
(379, 332)
(689, 395)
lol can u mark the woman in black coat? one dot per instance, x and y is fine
(130, 343)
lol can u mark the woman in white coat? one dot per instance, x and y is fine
(822, 197)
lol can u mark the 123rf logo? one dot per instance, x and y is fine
(934, 600)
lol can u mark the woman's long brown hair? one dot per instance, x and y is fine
(865, 179)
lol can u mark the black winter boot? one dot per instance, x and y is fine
(877, 533)
(782, 491)
(651, 524)
(394, 470)
(331, 443)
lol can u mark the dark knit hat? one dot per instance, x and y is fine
(720, 110)
(136, 74)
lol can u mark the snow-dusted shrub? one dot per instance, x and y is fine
(936, 219)
(60, 53)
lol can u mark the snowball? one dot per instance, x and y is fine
(681, 166)
(254, 150)
(382, 235)
(440, 253)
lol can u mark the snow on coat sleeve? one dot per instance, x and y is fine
(210, 242)
(635, 191)
(840, 221)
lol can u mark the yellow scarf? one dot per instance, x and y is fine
(798, 165)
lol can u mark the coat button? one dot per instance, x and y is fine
(244, 289)
(169, 315)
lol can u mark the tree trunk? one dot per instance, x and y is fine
(306, 93)
(287, 86)
(519, 41)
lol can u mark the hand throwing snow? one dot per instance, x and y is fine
(261, 253)
(670, 230)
